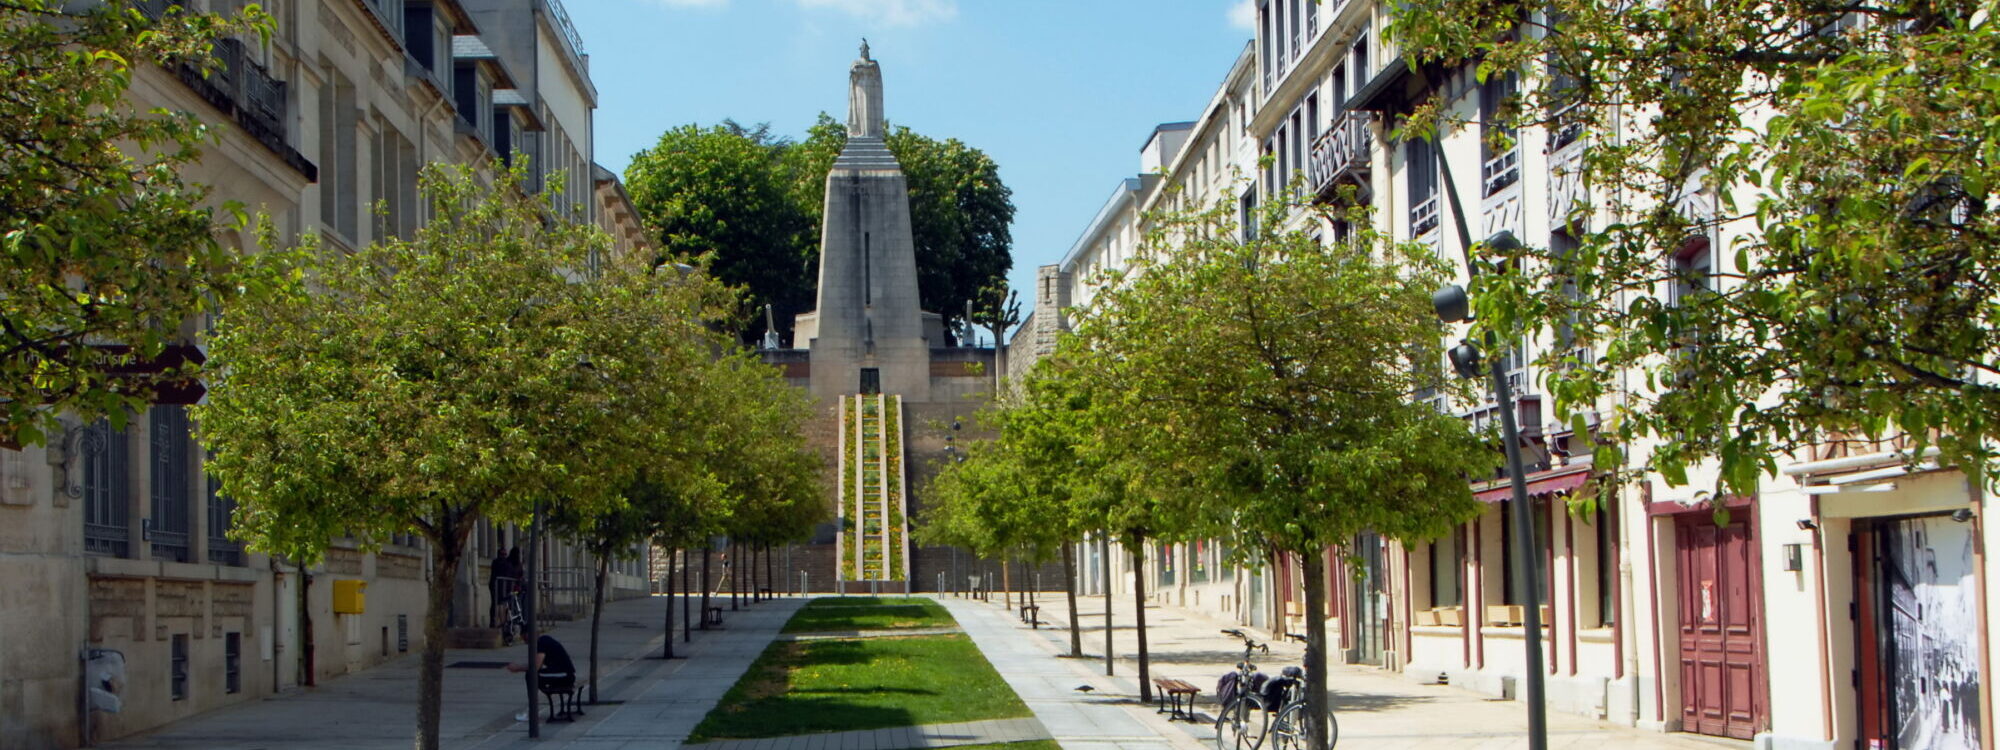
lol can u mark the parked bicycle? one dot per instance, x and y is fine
(1289, 729)
(1257, 708)
(1241, 722)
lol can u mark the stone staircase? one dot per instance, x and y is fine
(872, 487)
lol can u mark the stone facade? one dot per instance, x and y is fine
(116, 540)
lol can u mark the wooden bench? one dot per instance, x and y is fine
(1032, 615)
(1176, 698)
(714, 617)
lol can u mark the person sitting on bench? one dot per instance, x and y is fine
(555, 673)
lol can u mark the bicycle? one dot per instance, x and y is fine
(1289, 730)
(513, 620)
(1241, 722)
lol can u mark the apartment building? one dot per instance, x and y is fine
(113, 541)
(1846, 605)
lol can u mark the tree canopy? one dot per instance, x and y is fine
(1789, 229)
(419, 385)
(105, 253)
(754, 201)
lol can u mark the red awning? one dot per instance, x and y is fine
(1536, 486)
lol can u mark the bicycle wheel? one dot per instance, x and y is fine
(1242, 725)
(1290, 731)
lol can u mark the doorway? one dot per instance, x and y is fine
(1367, 602)
(871, 381)
(1917, 632)
(1721, 613)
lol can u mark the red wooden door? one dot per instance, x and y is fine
(1721, 641)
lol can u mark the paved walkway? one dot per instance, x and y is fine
(1376, 708)
(993, 731)
(647, 698)
(1106, 719)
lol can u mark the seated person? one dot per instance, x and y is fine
(554, 670)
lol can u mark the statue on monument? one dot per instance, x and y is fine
(864, 97)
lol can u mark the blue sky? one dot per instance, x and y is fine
(1061, 93)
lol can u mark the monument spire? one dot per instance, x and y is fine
(864, 97)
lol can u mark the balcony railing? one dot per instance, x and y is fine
(1501, 171)
(561, 16)
(1424, 216)
(1342, 152)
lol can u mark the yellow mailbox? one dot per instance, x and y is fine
(350, 596)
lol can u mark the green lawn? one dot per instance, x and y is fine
(863, 683)
(868, 613)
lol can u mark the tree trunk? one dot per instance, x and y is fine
(1069, 588)
(733, 569)
(1139, 600)
(430, 671)
(1029, 580)
(770, 571)
(597, 617)
(706, 557)
(1104, 564)
(1316, 706)
(1007, 582)
(669, 584)
(306, 662)
(687, 597)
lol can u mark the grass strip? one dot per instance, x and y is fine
(891, 614)
(865, 683)
(1026, 745)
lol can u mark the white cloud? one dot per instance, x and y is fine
(1243, 15)
(891, 12)
(693, 3)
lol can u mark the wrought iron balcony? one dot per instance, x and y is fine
(1424, 216)
(561, 16)
(1342, 153)
(1501, 170)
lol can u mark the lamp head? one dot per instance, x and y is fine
(1465, 360)
(1503, 241)
(1451, 304)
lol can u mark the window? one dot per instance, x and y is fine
(1605, 524)
(1539, 508)
(338, 173)
(107, 528)
(419, 35)
(172, 517)
(1198, 561)
(221, 549)
(1561, 245)
(178, 669)
(1448, 569)
(1502, 164)
(232, 662)
(1298, 29)
(1264, 43)
(395, 183)
(871, 381)
(1163, 554)
(1312, 18)
(1420, 168)
(1247, 213)
(1692, 269)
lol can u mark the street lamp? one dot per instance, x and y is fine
(1453, 306)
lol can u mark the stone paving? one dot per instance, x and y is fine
(1376, 708)
(376, 708)
(1099, 720)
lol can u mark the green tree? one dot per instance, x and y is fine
(723, 192)
(421, 385)
(102, 240)
(1266, 387)
(754, 200)
(1839, 159)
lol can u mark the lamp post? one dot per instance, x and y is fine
(1453, 306)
